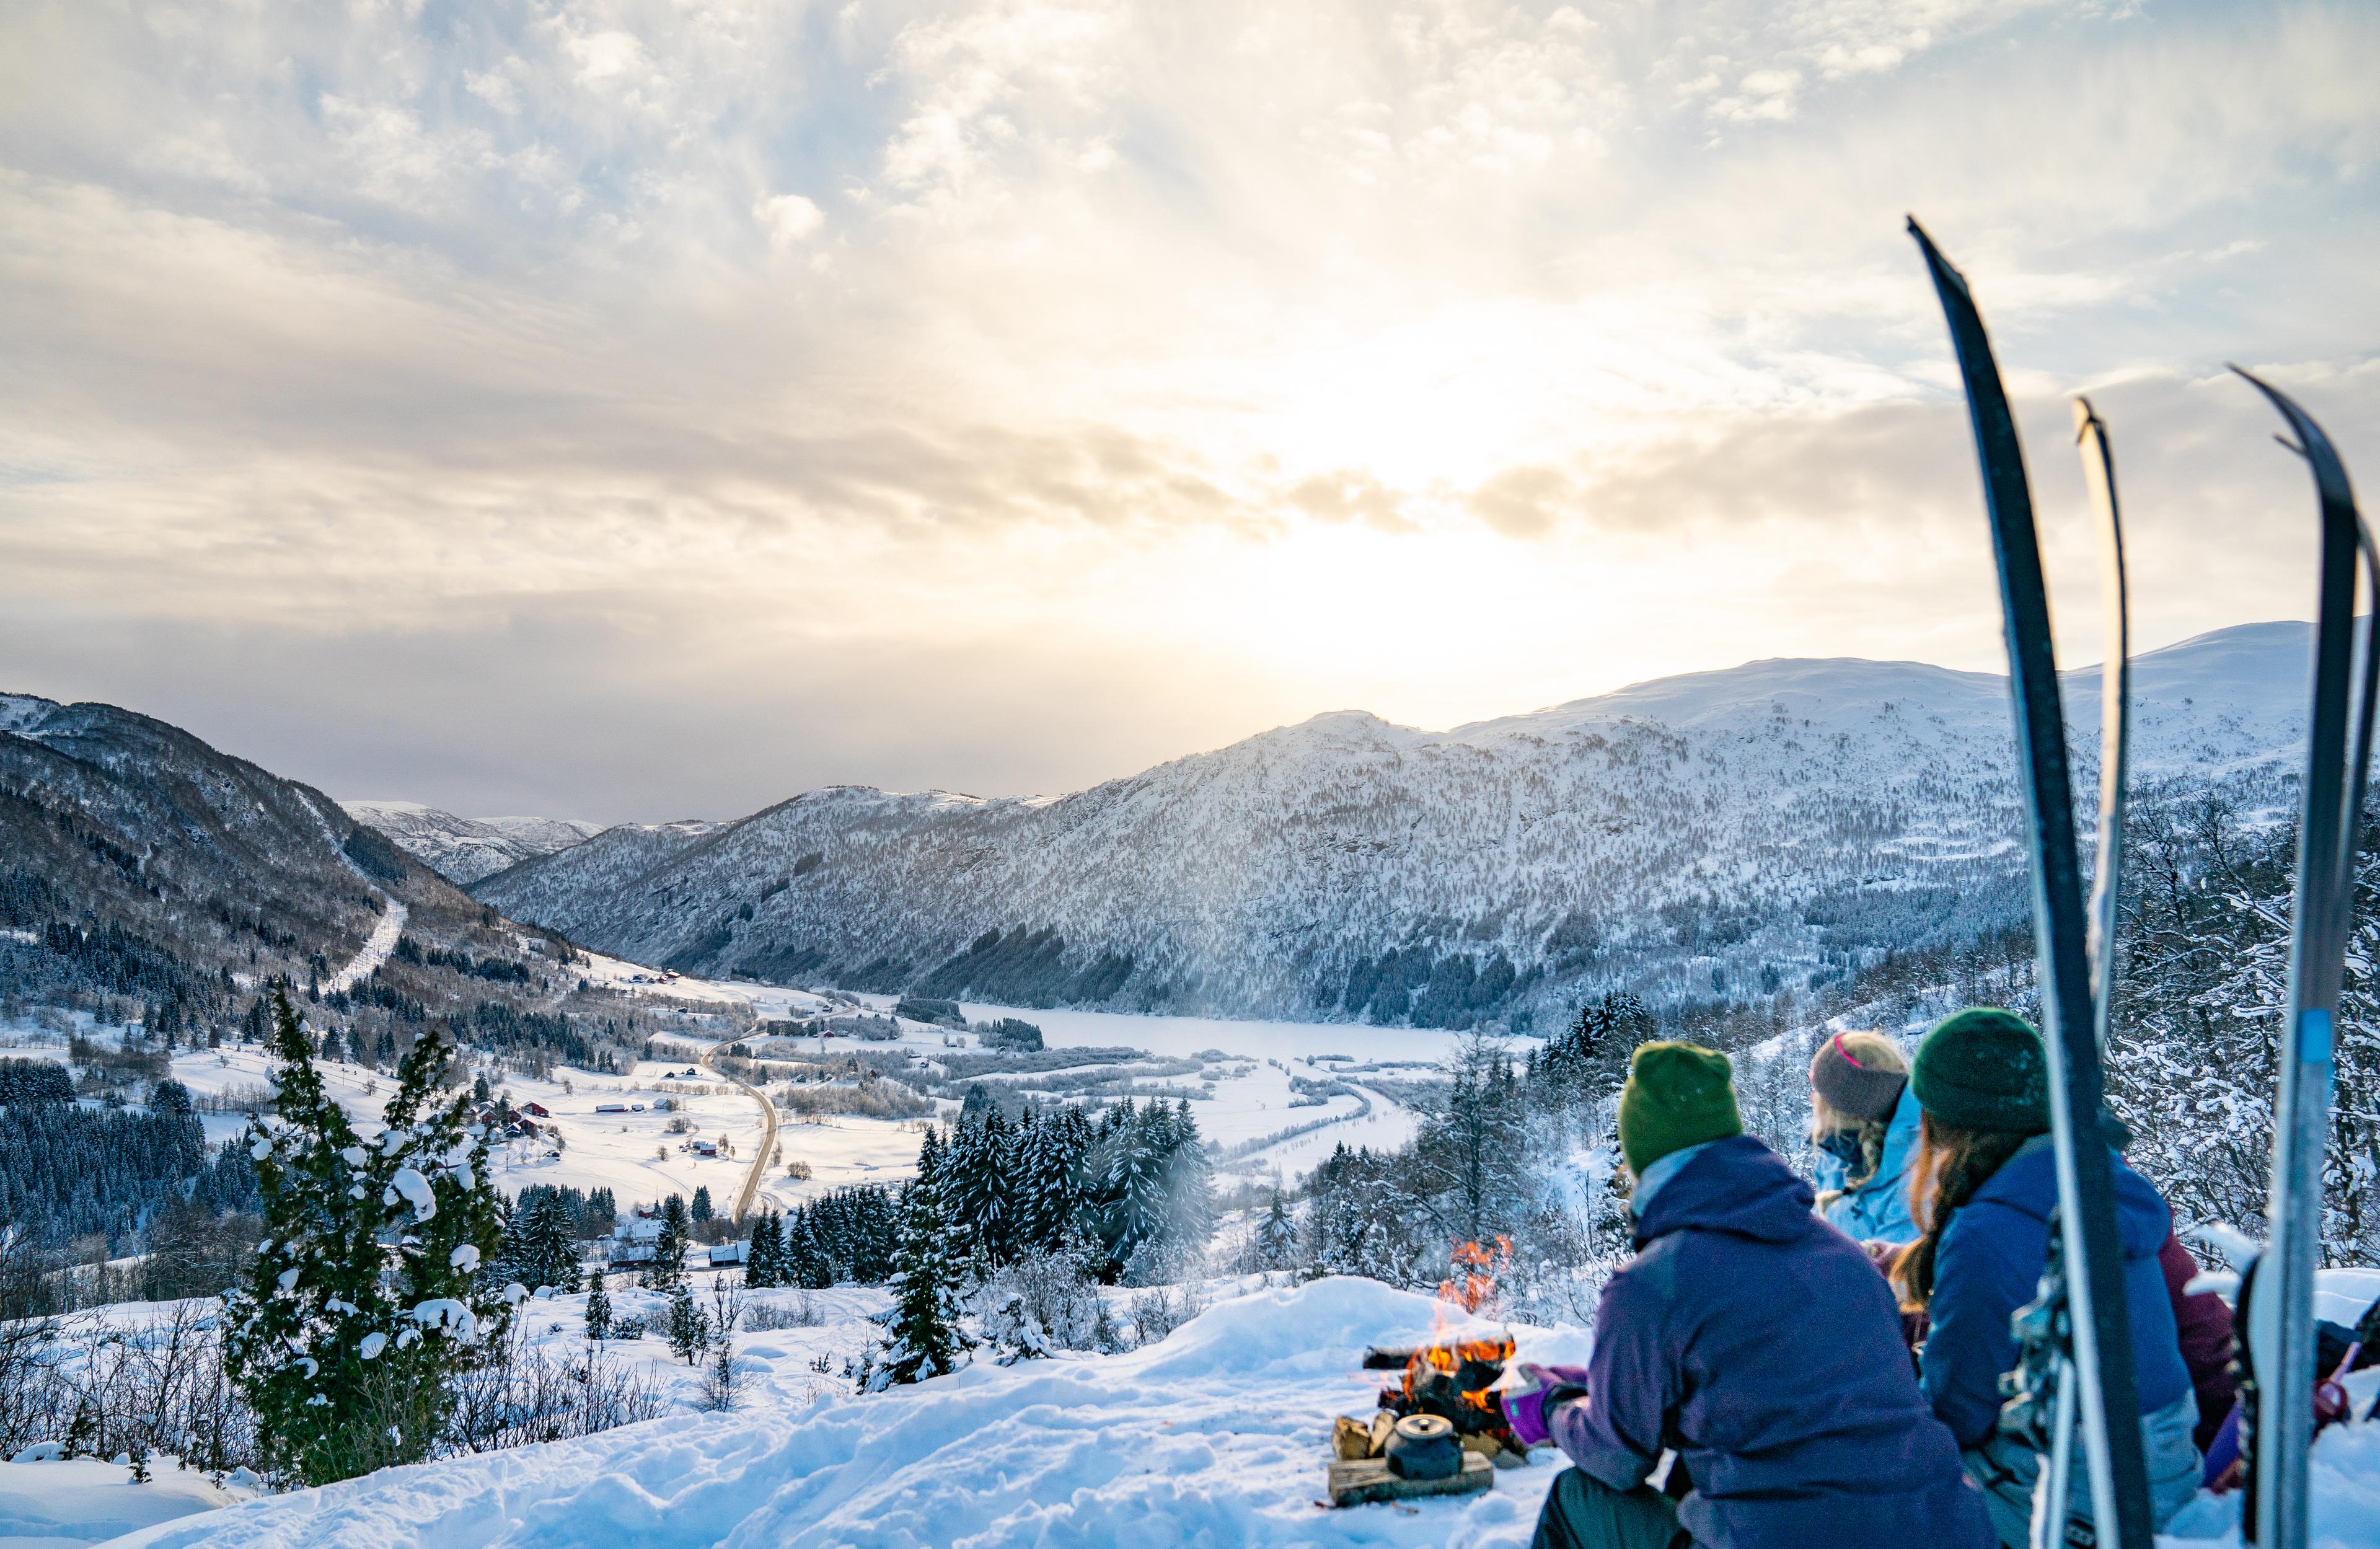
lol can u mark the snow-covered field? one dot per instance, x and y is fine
(1213, 1436)
(65, 1506)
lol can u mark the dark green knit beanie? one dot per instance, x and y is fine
(1678, 1095)
(1984, 1069)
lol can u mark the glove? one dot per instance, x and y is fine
(1535, 1391)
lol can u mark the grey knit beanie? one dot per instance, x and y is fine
(1861, 1091)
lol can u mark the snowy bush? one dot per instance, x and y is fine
(1044, 1302)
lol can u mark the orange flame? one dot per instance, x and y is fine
(1473, 1284)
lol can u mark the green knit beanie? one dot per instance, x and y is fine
(1678, 1095)
(1984, 1069)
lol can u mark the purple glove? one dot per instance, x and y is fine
(1525, 1403)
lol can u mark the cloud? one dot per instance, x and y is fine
(789, 219)
(1281, 358)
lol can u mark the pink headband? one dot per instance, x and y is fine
(1846, 1053)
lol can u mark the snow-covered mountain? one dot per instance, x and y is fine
(1715, 833)
(137, 860)
(464, 849)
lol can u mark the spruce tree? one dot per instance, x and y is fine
(669, 1249)
(598, 1309)
(361, 1311)
(703, 1203)
(688, 1327)
(1276, 1242)
(808, 1265)
(541, 1241)
(1190, 1188)
(1134, 1192)
(764, 1261)
(922, 1336)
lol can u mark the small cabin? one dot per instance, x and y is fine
(730, 1252)
(611, 1107)
(535, 1110)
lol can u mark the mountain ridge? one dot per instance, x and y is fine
(1707, 834)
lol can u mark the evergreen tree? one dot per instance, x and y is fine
(807, 1263)
(687, 1326)
(1472, 1154)
(360, 1313)
(541, 1241)
(1276, 1244)
(1133, 1196)
(922, 1335)
(1190, 1189)
(703, 1203)
(978, 1170)
(598, 1309)
(669, 1250)
(764, 1261)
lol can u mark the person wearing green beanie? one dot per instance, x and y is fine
(1754, 1339)
(1985, 1069)
(1985, 1184)
(1678, 1095)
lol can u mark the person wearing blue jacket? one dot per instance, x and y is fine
(1863, 1124)
(1990, 1173)
(1752, 1339)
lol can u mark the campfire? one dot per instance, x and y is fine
(1450, 1379)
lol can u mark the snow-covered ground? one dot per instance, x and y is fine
(375, 949)
(1216, 1435)
(68, 1505)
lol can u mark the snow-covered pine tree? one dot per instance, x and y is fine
(1189, 1196)
(1276, 1242)
(360, 1310)
(1473, 1156)
(541, 1241)
(599, 1308)
(977, 1173)
(807, 1263)
(922, 1334)
(669, 1249)
(764, 1258)
(688, 1327)
(1133, 1194)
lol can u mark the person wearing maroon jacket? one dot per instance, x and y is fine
(2205, 1325)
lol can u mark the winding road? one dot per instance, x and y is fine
(768, 1135)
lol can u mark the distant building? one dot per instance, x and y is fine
(730, 1252)
(611, 1107)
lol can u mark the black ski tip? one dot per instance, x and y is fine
(1945, 273)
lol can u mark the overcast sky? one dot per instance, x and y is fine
(635, 410)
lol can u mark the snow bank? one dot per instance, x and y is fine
(50, 1505)
(1213, 1436)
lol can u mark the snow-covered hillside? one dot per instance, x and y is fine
(1717, 833)
(464, 849)
(1214, 1435)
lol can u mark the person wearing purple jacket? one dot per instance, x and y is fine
(1752, 1339)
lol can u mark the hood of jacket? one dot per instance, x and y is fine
(2027, 1183)
(1737, 1185)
